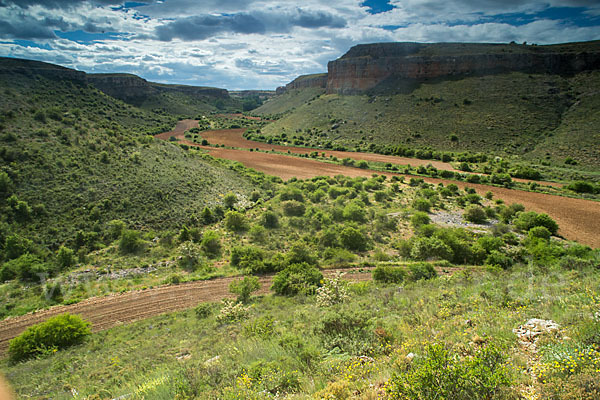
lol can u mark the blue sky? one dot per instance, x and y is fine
(262, 44)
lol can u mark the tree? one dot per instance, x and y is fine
(65, 258)
(211, 243)
(244, 288)
(229, 200)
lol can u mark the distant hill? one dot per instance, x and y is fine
(172, 99)
(543, 106)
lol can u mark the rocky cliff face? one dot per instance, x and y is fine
(131, 88)
(365, 66)
(305, 81)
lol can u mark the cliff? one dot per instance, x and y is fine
(364, 67)
(305, 81)
(132, 88)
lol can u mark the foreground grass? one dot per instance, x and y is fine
(282, 346)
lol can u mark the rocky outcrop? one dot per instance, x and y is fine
(31, 68)
(305, 81)
(132, 88)
(364, 67)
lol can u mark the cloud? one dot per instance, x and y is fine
(57, 4)
(204, 26)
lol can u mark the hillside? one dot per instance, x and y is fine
(539, 117)
(73, 158)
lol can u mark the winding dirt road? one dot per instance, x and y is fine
(578, 219)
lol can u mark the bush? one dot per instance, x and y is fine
(297, 278)
(443, 375)
(419, 271)
(334, 291)
(539, 232)
(269, 220)
(6, 185)
(229, 200)
(419, 218)
(346, 328)
(579, 187)
(211, 243)
(115, 229)
(474, 213)
(425, 248)
(353, 239)
(421, 204)
(191, 256)
(232, 311)
(27, 267)
(389, 274)
(203, 310)
(65, 258)
(244, 288)
(130, 242)
(355, 211)
(54, 334)
(235, 221)
(524, 221)
(15, 246)
(293, 208)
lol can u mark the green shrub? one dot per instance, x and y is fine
(191, 256)
(115, 229)
(441, 374)
(389, 274)
(297, 278)
(211, 243)
(499, 259)
(27, 267)
(6, 185)
(16, 245)
(578, 186)
(355, 211)
(539, 232)
(270, 220)
(252, 260)
(293, 208)
(54, 334)
(524, 221)
(425, 248)
(420, 271)
(130, 242)
(229, 200)
(244, 288)
(203, 310)
(346, 329)
(235, 221)
(353, 239)
(474, 213)
(65, 258)
(421, 204)
(419, 218)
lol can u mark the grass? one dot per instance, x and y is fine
(514, 114)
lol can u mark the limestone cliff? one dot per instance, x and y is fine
(363, 67)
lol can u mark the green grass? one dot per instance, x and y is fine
(512, 114)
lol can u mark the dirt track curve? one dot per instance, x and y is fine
(577, 218)
(109, 311)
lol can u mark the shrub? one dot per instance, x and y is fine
(443, 375)
(419, 271)
(474, 213)
(211, 243)
(293, 208)
(353, 239)
(6, 185)
(232, 311)
(269, 220)
(65, 258)
(16, 245)
(203, 310)
(419, 218)
(56, 333)
(191, 256)
(578, 186)
(235, 221)
(229, 200)
(115, 229)
(355, 211)
(27, 267)
(497, 258)
(297, 278)
(347, 329)
(425, 248)
(421, 204)
(244, 288)
(130, 242)
(539, 232)
(251, 260)
(334, 291)
(389, 274)
(526, 220)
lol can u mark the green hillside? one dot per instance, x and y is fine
(288, 101)
(72, 159)
(524, 115)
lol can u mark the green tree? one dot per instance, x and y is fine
(235, 221)
(130, 242)
(211, 243)
(353, 239)
(297, 278)
(65, 257)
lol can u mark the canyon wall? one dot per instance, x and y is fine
(364, 67)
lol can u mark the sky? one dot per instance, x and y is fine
(262, 44)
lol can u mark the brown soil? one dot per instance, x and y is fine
(576, 217)
(107, 312)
